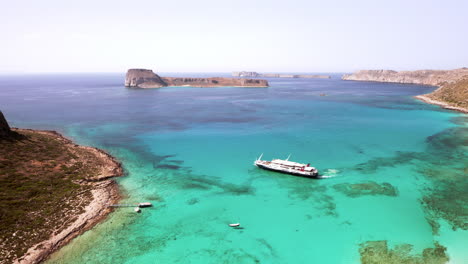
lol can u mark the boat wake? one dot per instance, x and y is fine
(328, 173)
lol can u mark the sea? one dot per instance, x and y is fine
(392, 168)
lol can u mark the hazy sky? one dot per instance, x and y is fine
(221, 36)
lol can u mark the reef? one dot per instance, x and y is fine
(453, 84)
(444, 164)
(375, 252)
(51, 190)
(143, 78)
(366, 188)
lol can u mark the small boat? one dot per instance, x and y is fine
(234, 225)
(288, 167)
(144, 205)
(137, 209)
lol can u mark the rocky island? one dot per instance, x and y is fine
(451, 94)
(278, 75)
(143, 78)
(51, 190)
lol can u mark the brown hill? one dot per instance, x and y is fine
(455, 93)
(142, 78)
(451, 94)
(426, 77)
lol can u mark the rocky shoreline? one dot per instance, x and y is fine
(452, 92)
(442, 104)
(143, 78)
(104, 190)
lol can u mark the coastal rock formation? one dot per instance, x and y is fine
(5, 130)
(454, 94)
(425, 77)
(278, 75)
(246, 74)
(451, 94)
(214, 82)
(142, 78)
(52, 190)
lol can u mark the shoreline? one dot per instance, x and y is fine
(424, 98)
(451, 84)
(105, 191)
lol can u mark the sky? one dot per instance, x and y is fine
(223, 36)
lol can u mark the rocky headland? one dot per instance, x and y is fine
(51, 190)
(143, 78)
(451, 94)
(278, 75)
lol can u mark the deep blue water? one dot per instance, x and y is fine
(190, 152)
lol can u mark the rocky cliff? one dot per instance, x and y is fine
(451, 94)
(426, 77)
(143, 78)
(4, 127)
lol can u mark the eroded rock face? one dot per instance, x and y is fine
(425, 77)
(4, 127)
(142, 78)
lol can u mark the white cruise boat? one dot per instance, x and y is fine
(286, 166)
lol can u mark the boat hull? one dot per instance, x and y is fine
(312, 175)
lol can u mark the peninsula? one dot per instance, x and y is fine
(278, 75)
(51, 190)
(143, 78)
(451, 94)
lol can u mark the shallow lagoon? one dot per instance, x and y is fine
(190, 151)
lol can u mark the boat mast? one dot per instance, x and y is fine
(288, 157)
(260, 157)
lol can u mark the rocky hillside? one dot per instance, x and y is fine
(4, 127)
(51, 190)
(451, 94)
(142, 78)
(455, 94)
(426, 77)
(214, 82)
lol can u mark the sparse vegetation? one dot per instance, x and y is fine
(455, 94)
(43, 187)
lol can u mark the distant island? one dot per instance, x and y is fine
(278, 75)
(451, 94)
(143, 78)
(51, 189)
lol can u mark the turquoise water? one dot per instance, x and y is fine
(190, 151)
